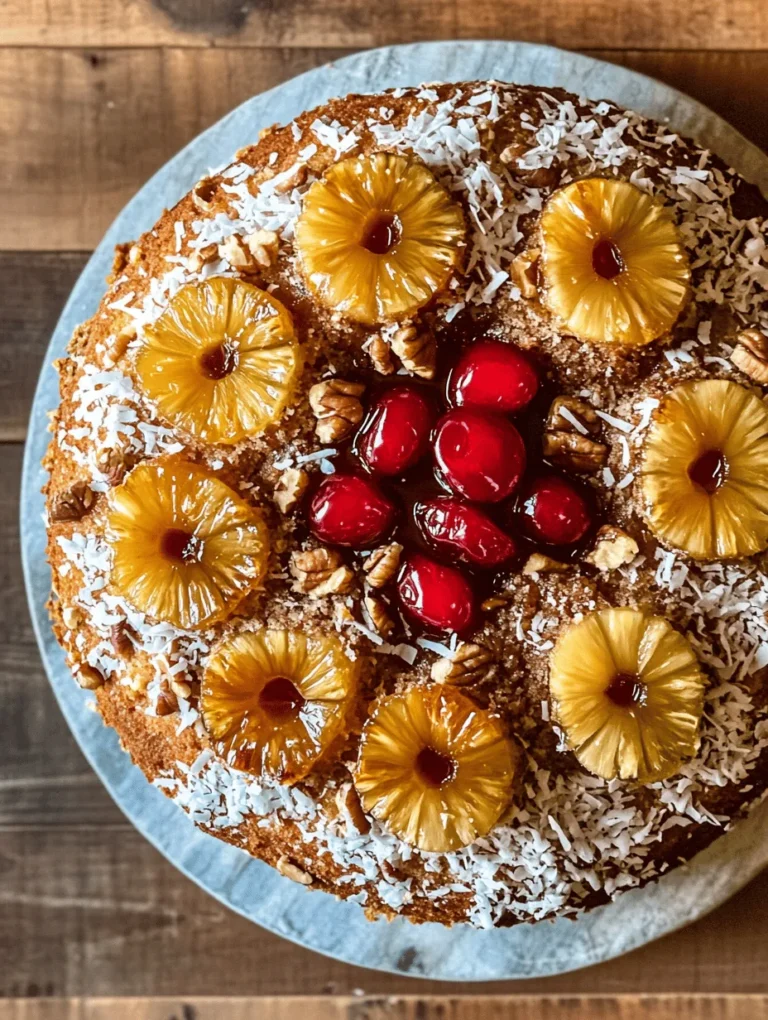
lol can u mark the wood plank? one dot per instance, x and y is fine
(612, 24)
(469, 1007)
(33, 289)
(68, 137)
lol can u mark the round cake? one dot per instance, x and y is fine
(408, 501)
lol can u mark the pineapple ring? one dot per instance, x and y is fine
(704, 472)
(434, 768)
(628, 693)
(613, 264)
(185, 547)
(274, 701)
(222, 361)
(378, 237)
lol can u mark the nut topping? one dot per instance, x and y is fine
(380, 354)
(470, 663)
(88, 677)
(290, 487)
(613, 548)
(337, 408)
(167, 703)
(381, 566)
(237, 253)
(751, 355)
(293, 871)
(348, 803)
(263, 246)
(570, 414)
(294, 180)
(73, 504)
(320, 572)
(120, 638)
(377, 611)
(574, 452)
(417, 351)
(113, 463)
(201, 257)
(202, 194)
(538, 563)
(525, 272)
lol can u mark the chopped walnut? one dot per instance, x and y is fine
(290, 487)
(349, 806)
(613, 548)
(380, 618)
(237, 253)
(571, 414)
(88, 677)
(167, 703)
(113, 462)
(525, 272)
(202, 194)
(574, 452)
(293, 871)
(342, 616)
(263, 246)
(295, 180)
(382, 564)
(121, 342)
(73, 504)
(538, 563)
(119, 261)
(180, 688)
(120, 638)
(135, 255)
(511, 153)
(470, 663)
(337, 408)
(320, 572)
(380, 354)
(72, 617)
(750, 355)
(417, 351)
(202, 257)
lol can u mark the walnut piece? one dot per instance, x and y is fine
(113, 462)
(88, 677)
(167, 703)
(525, 272)
(202, 194)
(73, 504)
(538, 563)
(750, 355)
(337, 408)
(263, 246)
(320, 572)
(380, 354)
(293, 871)
(613, 548)
(380, 618)
(201, 257)
(574, 452)
(417, 351)
(121, 342)
(571, 414)
(349, 806)
(294, 180)
(236, 252)
(470, 663)
(382, 564)
(291, 486)
(120, 638)
(72, 617)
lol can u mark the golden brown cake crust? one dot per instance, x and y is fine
(571, 840)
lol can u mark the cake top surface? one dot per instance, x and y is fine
(492, 161)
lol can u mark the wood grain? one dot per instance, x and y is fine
(609, 24)
(82, 131)
(470, 1007)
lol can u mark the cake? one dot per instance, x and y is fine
(408, 509)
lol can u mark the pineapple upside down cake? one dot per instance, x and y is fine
(408, 501)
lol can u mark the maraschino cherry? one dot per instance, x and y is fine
(435, 595)
(464, 530)
(396, 433)
(554, 511)
(480, 456)
(494, 375)
(350, 510)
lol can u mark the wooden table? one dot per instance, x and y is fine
(94, 96)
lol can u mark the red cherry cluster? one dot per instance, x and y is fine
(479, 457)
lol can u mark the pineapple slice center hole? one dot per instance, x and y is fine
(220, 360)
(709, 471)
(280, 698)
(434, 768)
(606, 259)
(626, 690)
(180, 546)
(381, 232)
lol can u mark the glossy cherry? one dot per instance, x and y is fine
(439, 597)
(350, 510)
(396, 433)
(480, 456)
(555, 512)
(464, 530)
(494, 375)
